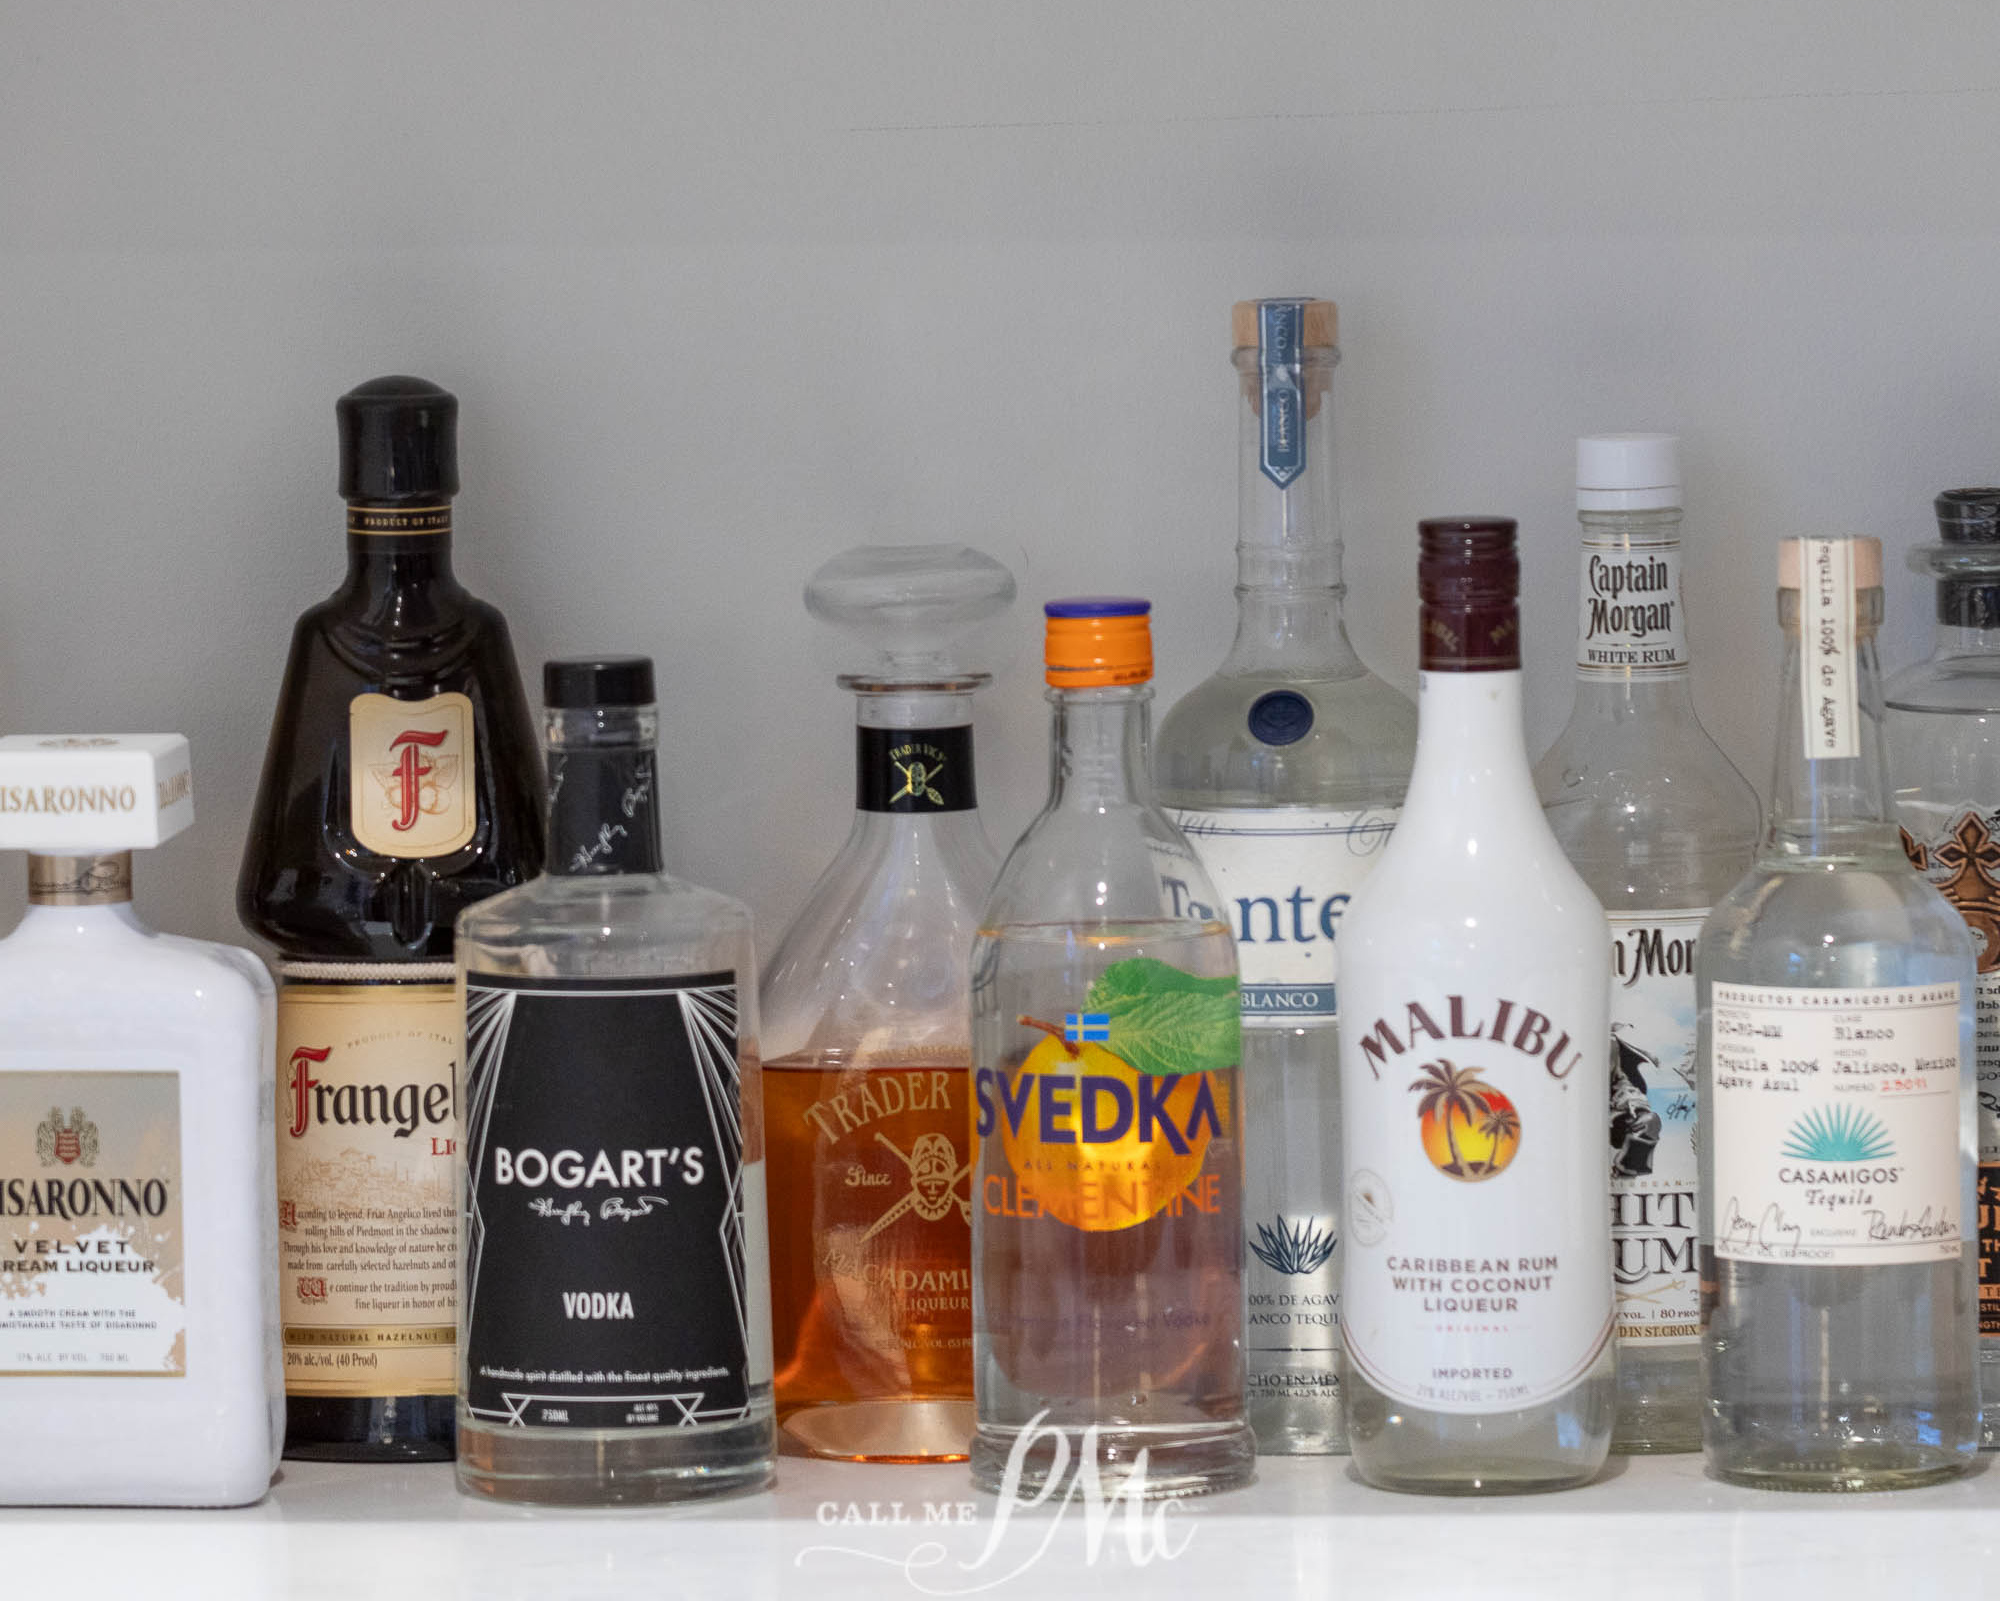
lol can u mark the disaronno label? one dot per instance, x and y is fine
(1476, 1271)
(91, 1245)
(1653, 1126)
(368, 1129)
(1836, 1124)
(410, 774)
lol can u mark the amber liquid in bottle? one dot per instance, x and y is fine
(402, 784)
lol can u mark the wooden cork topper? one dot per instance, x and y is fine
(1321, 323)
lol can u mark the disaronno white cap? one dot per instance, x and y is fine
(1628, 472)
(75, 794)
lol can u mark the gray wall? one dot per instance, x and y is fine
(724, 288)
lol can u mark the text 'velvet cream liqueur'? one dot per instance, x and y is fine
(1475, 1059)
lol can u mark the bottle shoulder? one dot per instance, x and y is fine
(572, 917)
(1792, 919)
(1356, 751)
(119, 973)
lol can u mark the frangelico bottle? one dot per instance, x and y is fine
(402, 784)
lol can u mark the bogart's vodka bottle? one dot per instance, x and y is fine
(1285, 770)
(1474, 1069)
(1943, 730)
(615, 1333)
(1838, 1148)
(1659, 824)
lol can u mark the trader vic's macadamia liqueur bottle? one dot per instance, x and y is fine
(1107, 1223)
(1473, 1071)
(401, 785)
(867, 1033)
(1659, 824)
(1839, 1259)
(616, 1324)
(1285, 770)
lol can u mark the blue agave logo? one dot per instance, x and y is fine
(1292, 1247)
(1845, 1134)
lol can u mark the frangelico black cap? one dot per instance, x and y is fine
(398, 442)
(583, 681)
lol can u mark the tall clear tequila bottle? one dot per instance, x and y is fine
(614, 1306)
(1835, 986)
(1943, 729)
(1660, 825)
(867, 1029)
(1107, 1230)
(1476, 1284)
(1286, 770)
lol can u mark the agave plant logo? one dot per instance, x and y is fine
(1470, 1129)
(1296, 1248)
(1844, 1134)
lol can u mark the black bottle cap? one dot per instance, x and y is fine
(582, 681)
(1969, 516)
(398, 442)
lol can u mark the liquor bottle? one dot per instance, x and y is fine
(1660, 825)
(1107, 1233)
(138, 1302)
(1943, 730)
(402, 784)
(1473, 1073)
(615, 1326)
(866, 1030)
(1286, 770)
(1837, 1123)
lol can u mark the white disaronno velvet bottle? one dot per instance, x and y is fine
(139, 1357)
(1474, 1066)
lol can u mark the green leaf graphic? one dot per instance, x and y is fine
(1166, 1021)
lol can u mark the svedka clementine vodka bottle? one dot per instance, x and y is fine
(1474, 1068)
(1107, 1224)
(1838, 1131)
(1659, 824)
(1285, 770)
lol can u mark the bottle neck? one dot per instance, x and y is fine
(1288, 582)
(394, 552)
(1631, 633)
(103, 879)
(913, 748)
(1828, 786)
(1959, 638)
(603, 803)
(1100, 740)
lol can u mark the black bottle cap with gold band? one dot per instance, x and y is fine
(398, 456)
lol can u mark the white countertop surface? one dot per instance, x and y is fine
(1647, 1528)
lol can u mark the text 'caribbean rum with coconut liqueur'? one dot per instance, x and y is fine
(1473, 1072)
(1839, 1258)
(401, 785)
(1943, 727)
(1107, 1224)
(1659, 824)
(1286, 770)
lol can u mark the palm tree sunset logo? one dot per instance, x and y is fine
(1470, 1130)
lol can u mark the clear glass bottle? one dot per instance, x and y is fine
(1476, 1287)
(867, 1033)
(1285, 770)
(1660, 825)
(1942, 724)
(614, 1342)
(1107, 1232)
(139, 1359)
(1835, 988)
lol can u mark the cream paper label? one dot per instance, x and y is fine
(1836, 1124)
(1826, 645)
(91, 1245)
(368, 1129)
(410, 789)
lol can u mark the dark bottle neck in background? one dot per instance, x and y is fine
(603, 811)
(1968, 603)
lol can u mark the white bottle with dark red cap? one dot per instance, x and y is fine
(1660, 825)
(138, 1261)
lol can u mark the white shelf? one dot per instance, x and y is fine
(1649, 1527)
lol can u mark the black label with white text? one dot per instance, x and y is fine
(604, 1228)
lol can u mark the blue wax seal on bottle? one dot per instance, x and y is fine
(1282, 717)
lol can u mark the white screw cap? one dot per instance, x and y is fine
(1628, 472)
(92, 794)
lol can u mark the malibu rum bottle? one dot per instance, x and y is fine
(866, 1022)
(1285, 770)
(1838, 1149)
(1107, 1228)
(1473, 1071)
(1659, 824)
(402, 784)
